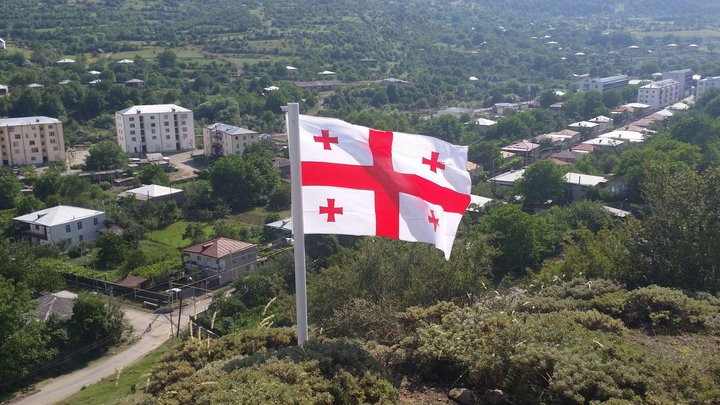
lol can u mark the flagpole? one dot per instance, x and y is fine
(293, 124)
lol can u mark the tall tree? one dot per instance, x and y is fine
(106, 156)
(542, 181)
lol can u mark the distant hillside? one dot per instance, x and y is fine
(586, 8)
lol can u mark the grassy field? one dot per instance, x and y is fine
(114, 390)
(257, 215)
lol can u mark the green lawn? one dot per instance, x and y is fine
(163, 244)
(256, 216)
(113, 390)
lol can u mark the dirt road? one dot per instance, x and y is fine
(150, 329)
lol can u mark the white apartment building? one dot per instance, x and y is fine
(2, 44)
(707, 83)
(660, 94)
(222, 139)
(683, 77)
(604, 83)
(31, 141)
(63, 222)
(143, 129)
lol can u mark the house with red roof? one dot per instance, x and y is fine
(226, 258)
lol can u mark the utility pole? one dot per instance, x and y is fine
(179, 313)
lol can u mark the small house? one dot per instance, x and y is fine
(63, 223)
(228, 259)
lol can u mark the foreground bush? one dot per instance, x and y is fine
(564, 357)
(265, 366)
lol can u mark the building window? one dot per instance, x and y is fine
(134, 139)
(167, 129)
(154, 137)
(95, 221)
(37, 227)
(32, 143)
(132, 132)
(132, 125)
(11, 130)
(56, 148)
(152, 131)
(52, 133)
(67, 228)
(167, 123)
(152, 117)
(17, 136)
(79, 225)
(80, 238)
(152, 125)
(34, 150)
(33, 158)
(184, 129)
(52, 141)
(183, 115)
(132, 118)
(167, 136)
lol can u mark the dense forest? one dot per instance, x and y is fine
(541, 302)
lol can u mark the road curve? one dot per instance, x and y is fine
(151, 329)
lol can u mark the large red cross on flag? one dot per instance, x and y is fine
(360, 181)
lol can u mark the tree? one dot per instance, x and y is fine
(153, 174)
(195, 232)
(243, 181)
(95, 319)
(10, 188)
(112, 250)
(542, 181)
(24, 341)
(279, 199)
(446, 127)
(485, 153)
(167, 59)
(106, 156)
(521, 239)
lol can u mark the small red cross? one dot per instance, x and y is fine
(433, 162)
(434, 221)
(331, 210)
(326, 139)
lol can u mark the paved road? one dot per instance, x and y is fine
(151, 330)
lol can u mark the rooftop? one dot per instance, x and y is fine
(42, 120)
(153, 109)
(603, 142)
(584, 179)
(229, 129)
(61, 214)
(630, 136)
(508, 177)
(59, 304)
(660, 84)
(218, 248)
(523, 146)
(148, 192)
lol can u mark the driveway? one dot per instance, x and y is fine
(150, 329)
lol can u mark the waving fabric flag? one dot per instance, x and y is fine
(360, 181)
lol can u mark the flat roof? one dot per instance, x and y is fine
(153, 109)
(42, 120)
(150, 191)
(584, 179)
(630, 136)
(603, 142)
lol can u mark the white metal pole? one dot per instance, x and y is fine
(293, 124)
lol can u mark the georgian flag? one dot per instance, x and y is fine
(360, 181)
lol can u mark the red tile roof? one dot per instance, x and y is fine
(218, 248)
(132, 281)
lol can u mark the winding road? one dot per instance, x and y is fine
(151, 331)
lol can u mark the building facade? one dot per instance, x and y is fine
(603, 83)
(660, 94)
(707, 83)
(226, 258)
(63, 222)
(222, 139)
(684, 77)
(159, 128)
(31, 141)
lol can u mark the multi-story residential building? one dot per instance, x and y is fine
(31, 141)
(222, 139)
(604, 83)
(707, 83)
(2, 44)
(63, 222)
(143, 129)
(660, 94)
(684, 77)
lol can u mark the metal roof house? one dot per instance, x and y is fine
(63, 223)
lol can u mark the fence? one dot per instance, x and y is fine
(151, 298)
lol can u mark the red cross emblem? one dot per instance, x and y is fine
(326, 139)
(434, 221)
(433, 162)
(331, 210)
(385, 182)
